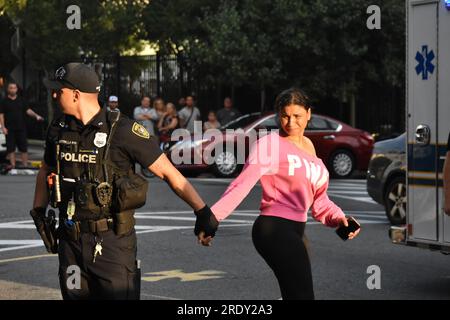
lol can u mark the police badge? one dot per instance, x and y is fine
(104, 193)
(100, 139)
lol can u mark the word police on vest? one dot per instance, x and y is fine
(78, 157)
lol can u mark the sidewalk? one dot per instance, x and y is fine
(18, 291)
(34, 142)
(35, 155)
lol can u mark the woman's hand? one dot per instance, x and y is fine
(344, 222)
(206, 241)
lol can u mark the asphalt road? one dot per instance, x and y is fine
(175, 267)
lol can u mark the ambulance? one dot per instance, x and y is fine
(428, 124)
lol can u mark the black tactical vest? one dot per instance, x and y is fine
(83, 169)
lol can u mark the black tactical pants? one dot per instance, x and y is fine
(114, 274)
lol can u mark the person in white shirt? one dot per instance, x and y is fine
(189, 114)
(145, 115)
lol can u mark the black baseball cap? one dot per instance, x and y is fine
(74, 75)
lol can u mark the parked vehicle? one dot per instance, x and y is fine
(342, 147)
(386, 177)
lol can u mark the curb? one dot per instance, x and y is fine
(35, 142)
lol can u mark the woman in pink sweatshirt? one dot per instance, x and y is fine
(293, 180)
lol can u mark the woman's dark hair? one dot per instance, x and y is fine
(291, 96)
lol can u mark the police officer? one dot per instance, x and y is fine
(88, 174)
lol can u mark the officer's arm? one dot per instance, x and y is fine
(164, 169)
(41, 191)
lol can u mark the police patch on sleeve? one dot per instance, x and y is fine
(140, 131)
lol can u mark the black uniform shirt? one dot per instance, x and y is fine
(130, 143)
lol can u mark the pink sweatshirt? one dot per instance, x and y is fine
(292, 181)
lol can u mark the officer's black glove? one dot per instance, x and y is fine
(206, 222)
(46, 227)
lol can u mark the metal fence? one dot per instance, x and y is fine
(128, 77)
(131, 77)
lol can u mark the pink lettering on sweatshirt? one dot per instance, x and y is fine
(292, 180)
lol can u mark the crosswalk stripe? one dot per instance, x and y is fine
(346, 188)
(160, 217)
(350, 192)
(361, 199)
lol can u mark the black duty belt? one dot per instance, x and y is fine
(95, 226)
(122, 224)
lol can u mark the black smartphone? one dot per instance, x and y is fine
(343, 231)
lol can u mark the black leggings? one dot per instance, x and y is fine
(280, 242)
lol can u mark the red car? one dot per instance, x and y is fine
(341, 147)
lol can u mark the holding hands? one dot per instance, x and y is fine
(205, 226)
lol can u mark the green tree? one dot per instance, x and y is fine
(172, 25)
(238, 45)
(322, 46)
(7, 60)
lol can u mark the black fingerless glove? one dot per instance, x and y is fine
(45, 226)
(206, 222)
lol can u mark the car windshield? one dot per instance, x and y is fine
(241, 122)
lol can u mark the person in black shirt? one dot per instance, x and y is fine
(13, 110)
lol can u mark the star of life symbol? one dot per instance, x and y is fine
(425, 62)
